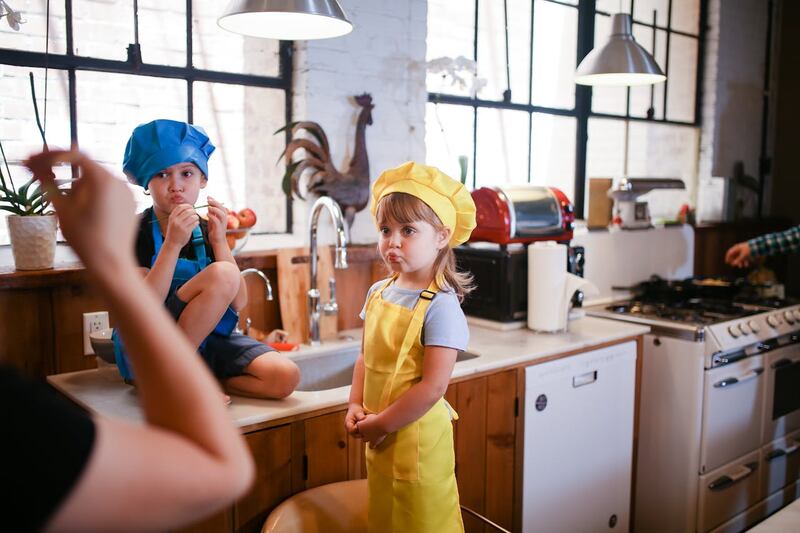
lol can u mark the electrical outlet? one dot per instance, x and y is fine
(92, 322)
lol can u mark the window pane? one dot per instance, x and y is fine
(18, 131)
(104, 29)
(553, 152)
(448, 136)
(686, 15)
(613, 6)
(451, 33)
(681, 78)
(492, 49)
(242, 172)
(605, 148)
(216, 49)
(555, 42)
(665, 151)
(110, 106)
(610, 100)
(643, 11)
(31, 34)
(502, 156)
(641, 95)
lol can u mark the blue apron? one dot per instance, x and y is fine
(185, 269)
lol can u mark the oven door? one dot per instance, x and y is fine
(782, 403)
(781, 463)
(732, 412)
(728, 491)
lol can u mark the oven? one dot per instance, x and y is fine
(782, 402)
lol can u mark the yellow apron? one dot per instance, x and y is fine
(412, 483)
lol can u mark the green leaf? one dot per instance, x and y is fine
(23, 191)
(12, 209)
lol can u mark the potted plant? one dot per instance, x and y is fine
(31, 225)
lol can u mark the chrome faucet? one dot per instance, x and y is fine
(315, 309)
(256, 272)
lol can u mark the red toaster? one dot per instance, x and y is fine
(522, 214)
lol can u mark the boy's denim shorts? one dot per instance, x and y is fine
(227, 357)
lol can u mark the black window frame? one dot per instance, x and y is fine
(582, 110)
(72, 63)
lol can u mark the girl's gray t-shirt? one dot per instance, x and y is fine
(445, 323)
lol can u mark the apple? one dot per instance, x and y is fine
(247, 217)
(233, 221)
(231, 239)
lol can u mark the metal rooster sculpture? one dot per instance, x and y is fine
(350, 189)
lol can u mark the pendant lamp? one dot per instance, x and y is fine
(288, 20)
(620, 61)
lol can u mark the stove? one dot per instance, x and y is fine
(719, 408)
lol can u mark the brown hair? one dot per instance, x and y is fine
(404, 208)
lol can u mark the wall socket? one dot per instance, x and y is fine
(92, 322)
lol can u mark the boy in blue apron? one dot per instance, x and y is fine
(187, 261)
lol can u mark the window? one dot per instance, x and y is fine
(237, 88)
(530, 123)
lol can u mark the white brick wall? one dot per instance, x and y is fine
(384, 56)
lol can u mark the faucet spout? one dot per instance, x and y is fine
(256, 272)
(314, 305)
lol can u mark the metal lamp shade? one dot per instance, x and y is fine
(289, 20)
(621, 61)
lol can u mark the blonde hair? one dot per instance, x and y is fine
(403, 208)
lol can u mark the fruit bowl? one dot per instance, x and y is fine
(237, 238)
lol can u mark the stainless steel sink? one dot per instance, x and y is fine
(331, 370)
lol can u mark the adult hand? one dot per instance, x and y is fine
(739, 255)
(371, 430)
(96, 215)
(217, 221)
(182, 221)
(355, 414)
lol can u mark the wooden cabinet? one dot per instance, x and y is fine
(486, 447)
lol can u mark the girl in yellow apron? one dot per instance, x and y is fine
(412, 331)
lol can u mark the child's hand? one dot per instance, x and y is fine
(276, 335)
(355, 413)
(182, 221)
(217, 221)
(371, 430)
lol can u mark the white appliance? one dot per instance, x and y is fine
(577, 460)
(719, 414)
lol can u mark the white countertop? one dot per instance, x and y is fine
(102, 390)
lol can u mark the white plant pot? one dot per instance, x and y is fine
(33, 241)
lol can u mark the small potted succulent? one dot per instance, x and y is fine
(31, 224)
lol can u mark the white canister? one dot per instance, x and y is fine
(33, 241)
(547, 278)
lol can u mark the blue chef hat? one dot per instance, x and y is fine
(162, 143)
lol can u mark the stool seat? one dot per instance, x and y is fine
(332, 508)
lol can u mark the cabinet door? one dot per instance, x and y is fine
(326, 450)
(271, 449)
(485, 440)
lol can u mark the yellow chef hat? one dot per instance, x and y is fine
(448, 198)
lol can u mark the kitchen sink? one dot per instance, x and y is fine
(331, 370)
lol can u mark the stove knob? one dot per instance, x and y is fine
(754, 326)
(789, 316)
(744, 328)
(733, 330)
(773, 321)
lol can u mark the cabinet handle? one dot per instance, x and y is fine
(727, 382)
(724, 482)
(584, 379)
(781, 452)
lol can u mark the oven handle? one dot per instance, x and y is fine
(781, 452)
(727, 382)
(724, 482)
